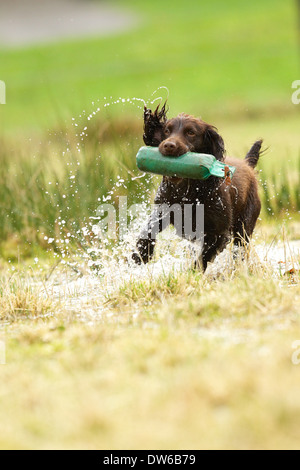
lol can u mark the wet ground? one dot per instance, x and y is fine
(88, 293)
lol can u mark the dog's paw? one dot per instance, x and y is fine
(136, 257)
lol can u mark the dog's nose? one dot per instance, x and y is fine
(169, 147)
(172, 148)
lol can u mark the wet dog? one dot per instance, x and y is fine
(230, 211)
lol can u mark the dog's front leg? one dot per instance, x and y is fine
(157, 222)
(213, 245)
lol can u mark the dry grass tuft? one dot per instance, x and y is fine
(20, 298)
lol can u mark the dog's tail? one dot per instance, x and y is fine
(254, 153)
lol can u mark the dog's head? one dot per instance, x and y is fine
(182, 134)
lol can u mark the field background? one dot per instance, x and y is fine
(179, 361)
(230, 60)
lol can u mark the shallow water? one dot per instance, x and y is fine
(86, 295)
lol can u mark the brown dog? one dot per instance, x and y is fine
(229, 210)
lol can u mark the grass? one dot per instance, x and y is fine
(194, 363)
(19, 299)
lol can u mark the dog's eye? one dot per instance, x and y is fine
(190, 133)
(167, 131)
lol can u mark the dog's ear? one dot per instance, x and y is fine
(154, 123)
(213, 143)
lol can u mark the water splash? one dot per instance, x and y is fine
(161, 99)
(104, 103)
(90, 250)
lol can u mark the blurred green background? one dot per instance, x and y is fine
(229, 59)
